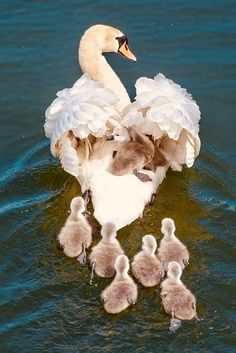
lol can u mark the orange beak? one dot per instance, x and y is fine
(124, 50)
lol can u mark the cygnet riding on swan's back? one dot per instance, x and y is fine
(80, 118)
(134, 154)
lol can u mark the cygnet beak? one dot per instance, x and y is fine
(110, 138)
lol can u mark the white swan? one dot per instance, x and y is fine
(80, 117)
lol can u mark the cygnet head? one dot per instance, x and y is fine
(149, 244)
(106, 39)
(77, 205)
(174, 271)
(108, 231)
(168, 228)
(122, 264)
(120, 134)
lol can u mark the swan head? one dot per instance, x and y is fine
(120, 134)
(149, 244)
(122, 264)
(77, 205)
(106, 39)
(168, 228)
(174, 271)
(108, 231)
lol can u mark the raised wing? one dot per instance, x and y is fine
(77, 112)
(166, 111)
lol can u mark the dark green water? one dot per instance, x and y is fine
(47, 304)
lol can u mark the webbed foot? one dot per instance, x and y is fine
(60, 247)
(162, 276)
(141, 176)
(153, 199)
(174, 324)
(86, 214)
(92, 272)
(185, 262)
(82, 257)
(86, 196)
(131, 301)
(103, 300)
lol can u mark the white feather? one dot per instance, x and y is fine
(163, 108)
(190, 151)
(69, 100)
(85, 109)
(68, 156)
(119, 199)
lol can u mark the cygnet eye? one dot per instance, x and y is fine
(117, 135)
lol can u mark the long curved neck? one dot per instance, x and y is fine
(93, 63)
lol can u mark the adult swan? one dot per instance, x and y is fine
(79, 120)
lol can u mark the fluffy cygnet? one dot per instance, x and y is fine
(146, 267)
(171, 248)
(122, 292)
(76, 235)
(135, 152)
(177, 300)
(104, 254)
(159, 159)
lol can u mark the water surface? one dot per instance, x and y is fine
(47, 304)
